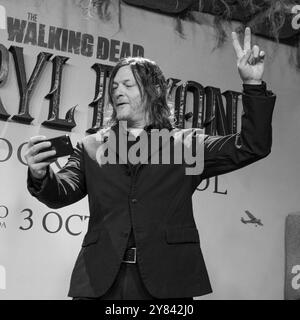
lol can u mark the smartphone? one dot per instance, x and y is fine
(62, 145)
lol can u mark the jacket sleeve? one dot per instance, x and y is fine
(63, 188)
(223, 154)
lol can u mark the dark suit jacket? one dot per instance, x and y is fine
(158, 201)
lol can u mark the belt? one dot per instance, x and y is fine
(130, 255)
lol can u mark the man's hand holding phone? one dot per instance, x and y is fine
(36, 156)
(42, 152)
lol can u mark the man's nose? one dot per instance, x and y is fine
(118, 92)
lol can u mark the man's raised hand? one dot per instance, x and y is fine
(250, 61)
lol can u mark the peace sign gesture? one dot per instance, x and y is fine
(250, 62)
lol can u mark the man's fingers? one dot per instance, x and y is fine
(32, 141)
(261, 57)
(39, 166)
(255, 51)
(236, 45)
(38, 147)
(256, 56)
(243, 61)
(41, 157)
(247, 39)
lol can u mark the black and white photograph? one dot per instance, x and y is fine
(149, 150)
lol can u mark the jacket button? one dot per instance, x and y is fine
(134, 200)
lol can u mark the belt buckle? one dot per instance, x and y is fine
(134, 257)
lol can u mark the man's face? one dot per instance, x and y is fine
(127, 99)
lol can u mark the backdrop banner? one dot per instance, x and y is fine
(55, 59)
(292, 264)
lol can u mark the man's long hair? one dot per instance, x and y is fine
(153, 88)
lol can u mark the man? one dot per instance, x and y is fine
(142, 241)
